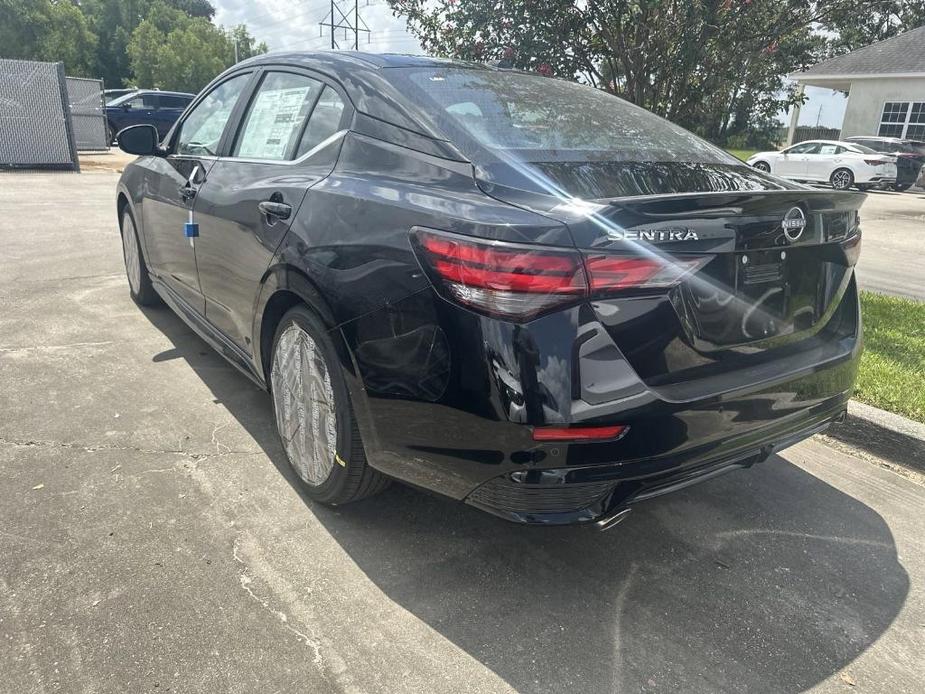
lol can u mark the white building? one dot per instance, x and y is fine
(885, 83)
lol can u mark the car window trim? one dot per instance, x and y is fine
(178, 125)
(345, 119)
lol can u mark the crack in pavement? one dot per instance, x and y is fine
(34, 443)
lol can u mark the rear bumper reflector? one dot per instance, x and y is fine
(580, 433)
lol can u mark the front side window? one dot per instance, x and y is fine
(276, 116)
(802, 148)
(145, 102)
(202, 129)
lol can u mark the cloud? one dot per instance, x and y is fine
(288, 25)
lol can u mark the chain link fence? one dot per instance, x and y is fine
(87, 113)
(35, 121)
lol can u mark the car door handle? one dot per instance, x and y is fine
(274, 210)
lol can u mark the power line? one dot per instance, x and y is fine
(336, 19)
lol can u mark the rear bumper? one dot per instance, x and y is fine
(447, 400)
(588, 494)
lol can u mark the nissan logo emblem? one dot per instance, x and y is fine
(794, 223)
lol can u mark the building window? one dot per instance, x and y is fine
(903, 119)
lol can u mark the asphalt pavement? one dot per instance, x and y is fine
(893, 251)
(152, 540)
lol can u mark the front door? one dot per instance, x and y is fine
(793, 162)
(286, 143)
(172, 186)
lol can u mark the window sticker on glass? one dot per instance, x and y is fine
(276, 116)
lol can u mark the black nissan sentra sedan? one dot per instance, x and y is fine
(513, 290)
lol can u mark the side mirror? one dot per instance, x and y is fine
(127, 106)
(138, 139)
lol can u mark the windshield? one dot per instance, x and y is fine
(534, 118)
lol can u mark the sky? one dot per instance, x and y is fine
(824, 107)
(294, 25)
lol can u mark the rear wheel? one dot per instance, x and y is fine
(841, 179)
(900, 187)
(314, 416)
(136, 270)
(762, 166)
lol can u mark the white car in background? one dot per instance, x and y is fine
(842, 164)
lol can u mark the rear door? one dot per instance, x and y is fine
(172, 184)
(288, 140)
(823, 160)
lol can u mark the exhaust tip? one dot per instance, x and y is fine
(611, 521)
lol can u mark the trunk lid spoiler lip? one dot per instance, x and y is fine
(809, 193)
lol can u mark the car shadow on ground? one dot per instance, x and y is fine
(762, 580)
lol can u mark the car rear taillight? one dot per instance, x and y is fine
(521, 281)
(613, 272)
(505, 279)
(876, 162)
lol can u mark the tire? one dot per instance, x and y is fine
(901, 187)
(762, 166)
(317, 429)
(842, 179)
(136, 268)
(864, 187)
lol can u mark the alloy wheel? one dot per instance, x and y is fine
(841, 180)
(303, 399)
(131, 254)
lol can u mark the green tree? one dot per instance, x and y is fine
(715, 66)
(171, 50)
(48, 30)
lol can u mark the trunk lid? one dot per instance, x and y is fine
(777, 271)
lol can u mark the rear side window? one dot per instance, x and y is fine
(829, 149)
(276, 116)
(324, 121)
(179, 102)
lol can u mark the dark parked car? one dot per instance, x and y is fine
(513, 290)
(160, 109)
(910, 156)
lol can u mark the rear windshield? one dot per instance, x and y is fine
(537, 118)
(550, 137)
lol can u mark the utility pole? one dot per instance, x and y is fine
(236, 50)
(349, 21)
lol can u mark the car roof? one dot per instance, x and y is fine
(364, 76)
(875, 137)
(165, 93)
(348, 61)
(820, 142)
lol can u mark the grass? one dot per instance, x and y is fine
(892, 375)
(742, 154)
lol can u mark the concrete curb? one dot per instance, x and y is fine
(888, 436)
